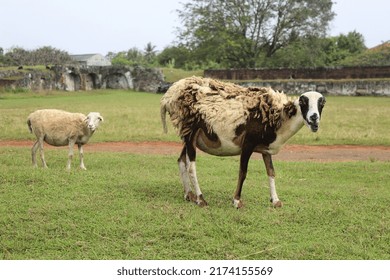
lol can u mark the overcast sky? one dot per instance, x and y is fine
(96, 26)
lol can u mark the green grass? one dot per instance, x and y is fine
(331, 210)
(172, 74)
(128, 115)
(128, 206)
(25, 68)
(351, 120)
(135, 116)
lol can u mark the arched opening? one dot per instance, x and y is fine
(117, 81)
(91, 81)
(72, 82)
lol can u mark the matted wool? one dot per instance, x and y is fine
(223, 104)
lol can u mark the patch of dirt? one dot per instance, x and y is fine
(288, 152)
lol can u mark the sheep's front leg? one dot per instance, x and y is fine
(244, 159)
(81, 154)
(271, 178)
(70, 154)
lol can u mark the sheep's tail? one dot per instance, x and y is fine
(29, 125)
(163, 113)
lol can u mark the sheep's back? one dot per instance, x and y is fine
(221, 105)
(56, 124)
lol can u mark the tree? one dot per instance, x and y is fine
(120, 59)
(380, 55)
(305, 52)
(135, 56)
(314, 51)
(131, 57)
(40, 56)
(175, 56)
(340, 47)
(17, 56)
(150, 53)
(49, 55)
(2, 57)
(353, 42)
(236, 33)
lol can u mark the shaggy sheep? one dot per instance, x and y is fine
(225, 119)
(60, 128)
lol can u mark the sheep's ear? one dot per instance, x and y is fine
(303, 100)
(322, 101)
(101, 118)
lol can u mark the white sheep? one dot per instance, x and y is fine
(226, 119)
(61, 128)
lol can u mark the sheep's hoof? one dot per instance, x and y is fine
(277, 204)
(83, 168)
(190, 197)
(200, 201)
(238, 203)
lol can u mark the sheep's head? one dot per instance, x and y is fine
(93, 120)
(311, 104)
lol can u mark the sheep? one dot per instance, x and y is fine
(61, 128)
(225, 119)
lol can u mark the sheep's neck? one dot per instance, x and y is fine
(87, 133)
(286, 131)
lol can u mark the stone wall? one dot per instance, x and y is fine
(152, 80)
(323, 73)
(351, 88)
(72, 78)
(374, 80)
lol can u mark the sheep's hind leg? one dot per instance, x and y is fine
(271, 178)
(191, 156)
(185, 179)
(194, 179)
(34, 153)
(81, 154)
(41, 152)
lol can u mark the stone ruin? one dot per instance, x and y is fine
(75, 78)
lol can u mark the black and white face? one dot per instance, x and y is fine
(311, 104)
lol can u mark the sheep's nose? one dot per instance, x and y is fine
(314, 117)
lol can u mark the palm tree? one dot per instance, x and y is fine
(150, 53)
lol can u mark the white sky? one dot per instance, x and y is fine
(368, 17)
(96, 26)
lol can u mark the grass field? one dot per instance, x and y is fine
(135, 116)
(129, 206)
(331, 210)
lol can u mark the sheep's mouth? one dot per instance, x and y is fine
(313, 126)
